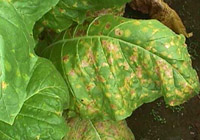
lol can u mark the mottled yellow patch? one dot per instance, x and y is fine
(118, 96)
(179, 51)
(154, 50)
(104, 64)
(108, 86)
(8, 66)
(144, 29)
(85, 2)
(155, 31)
(136, 22)
(144, 95)
(133, 58)
(172, 43)
(38, 137)
(168, 95)
(164, 53)
(127, 33)
(78, 86)
(171, 81)
(179, 93)
(108, 94)
(84, 64)
(122, 112)
(148, 48)
(127, 48)
(138, 42)
(110, 60)
(59, 113)
(152, 43)
(90, 86)
(75, 5)
(4, 85)
(172, 103)
(8, 0)
(118, 56)
(135, 105)
(167, 46)
(169, 56)
(126, 66)
(111, 76)
(31, 54)
(188, 89)
(85, 101)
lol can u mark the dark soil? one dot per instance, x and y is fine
(156, 121)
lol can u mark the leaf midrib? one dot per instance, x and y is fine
(128, 43)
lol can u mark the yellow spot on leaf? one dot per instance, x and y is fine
(75, 4)
(4, 85)
(122, 112)
(136, 22)
(59, 113)
(31, 55)
(7, 66)
(38, 137)
(179, 93)
(118, 96)
(172, 43)
(108, 94)
(78, 86)
(145, 29)
(138, 42)
(127, 33)
(85, 2)
(167, 46)
(169, 56)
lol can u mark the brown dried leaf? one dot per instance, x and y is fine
(158, 9)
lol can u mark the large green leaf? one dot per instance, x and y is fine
(33, 93)
(113, 65)
(31, 11)
(81, 129)
(66, 12)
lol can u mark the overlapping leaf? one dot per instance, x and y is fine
(67, 11)
(32, 94)
(104, 130)
(31, 11)
(113, 65)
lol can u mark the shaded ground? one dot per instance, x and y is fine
(156, 121)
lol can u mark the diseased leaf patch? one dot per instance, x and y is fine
(112, 70)
(81, 129)
(62, 16)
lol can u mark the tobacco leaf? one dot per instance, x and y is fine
(66, 12)
(33, 94)
(113, 65)
(81, 129)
